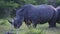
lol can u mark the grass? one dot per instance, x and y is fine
(41, 29)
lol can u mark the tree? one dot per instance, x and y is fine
(52, 2)
(6, 7)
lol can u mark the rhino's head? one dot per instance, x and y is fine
(15, 22)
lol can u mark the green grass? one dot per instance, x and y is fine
(41, 29)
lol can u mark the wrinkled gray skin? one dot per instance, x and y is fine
(58, 18)
(37, 14)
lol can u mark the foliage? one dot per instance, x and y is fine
(7, 7)
(58, 2)
(3, 22)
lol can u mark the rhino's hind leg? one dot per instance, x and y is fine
(52, 22)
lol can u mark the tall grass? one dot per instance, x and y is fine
(5, 27)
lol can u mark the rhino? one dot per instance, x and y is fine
(37, 14)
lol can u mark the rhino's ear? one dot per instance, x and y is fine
(10, 21)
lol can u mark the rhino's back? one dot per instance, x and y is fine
(40, 12)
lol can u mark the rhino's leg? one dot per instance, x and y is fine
(34, 25)
(52, 22)
(28, 23)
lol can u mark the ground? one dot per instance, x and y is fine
(41, 29)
